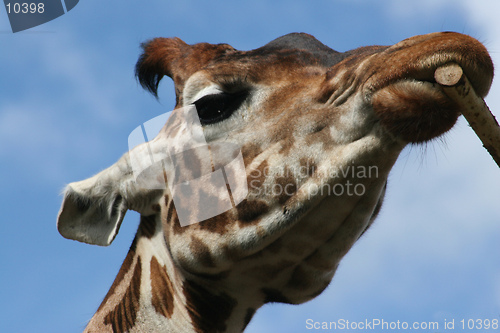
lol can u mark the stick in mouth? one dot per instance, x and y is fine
(456, 85)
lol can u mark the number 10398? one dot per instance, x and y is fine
(479, 324)
(25, 8)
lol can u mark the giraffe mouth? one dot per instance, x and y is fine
(405, 96)
(415, 111)
(415, 108)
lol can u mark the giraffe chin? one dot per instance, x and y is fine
(415, 111)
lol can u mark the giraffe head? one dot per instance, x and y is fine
(318, 131)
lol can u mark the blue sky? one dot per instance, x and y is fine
(69, 100)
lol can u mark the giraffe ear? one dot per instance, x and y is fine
(91, 213)
(174, 58)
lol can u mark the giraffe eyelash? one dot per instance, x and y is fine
(232, 83)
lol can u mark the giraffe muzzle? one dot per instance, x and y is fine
(406, 97)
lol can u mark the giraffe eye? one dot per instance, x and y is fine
(217, 107)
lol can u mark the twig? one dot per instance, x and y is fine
(456, 85)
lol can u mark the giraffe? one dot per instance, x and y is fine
(309, 120)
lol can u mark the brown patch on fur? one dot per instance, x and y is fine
(201, 252)
(126, 266)
(287, 143)
(208, 311)
(308, 165)
(172, 217)
(256, 178)
(249, 152)
(281, 102)
(178, 229)
(191, 165)
(217, 224)
(147, 226)
(169, 204)
(260, 231)
(231, 253)
(161, 289)
(122, 317)
(287, 184)
(250, 211)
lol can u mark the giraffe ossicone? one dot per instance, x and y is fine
(299, 140)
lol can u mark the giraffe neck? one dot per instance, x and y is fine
(150, 294)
